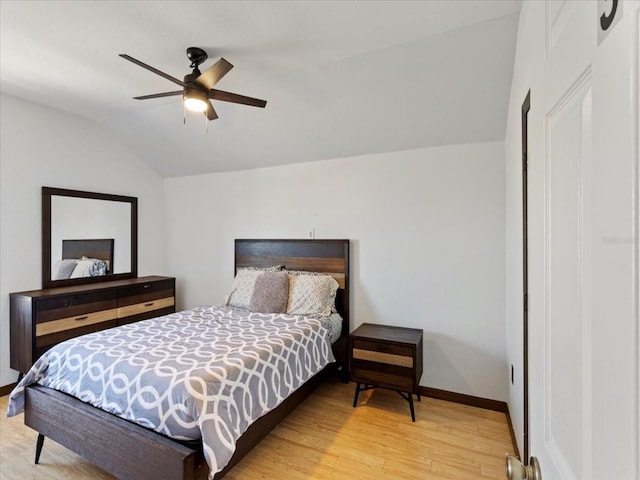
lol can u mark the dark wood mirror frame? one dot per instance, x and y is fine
(47, 193)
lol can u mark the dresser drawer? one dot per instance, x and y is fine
(74, 305)
(66, 301)
(145, 307)
(146, 292)
(76, 321)
(44, 342)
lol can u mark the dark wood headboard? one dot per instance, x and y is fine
(101, 248)
(326, 256)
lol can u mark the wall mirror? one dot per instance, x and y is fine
(87, 237)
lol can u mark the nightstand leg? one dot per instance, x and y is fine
(418, 396)
(355, 400)
(39, 444)
(413, 414)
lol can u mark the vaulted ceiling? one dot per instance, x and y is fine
(341, 78)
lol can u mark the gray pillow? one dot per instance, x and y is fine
(243, 284)
(63, 269)
(270, 293)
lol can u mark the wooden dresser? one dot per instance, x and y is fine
(42, 318)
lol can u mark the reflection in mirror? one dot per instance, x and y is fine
(87, 237)
(100, 224)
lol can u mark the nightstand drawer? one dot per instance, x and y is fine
(383, 357)
(383, 347)
(395, 379)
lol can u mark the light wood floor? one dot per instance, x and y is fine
(325, 438)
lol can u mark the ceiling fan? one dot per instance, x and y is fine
(197, 88)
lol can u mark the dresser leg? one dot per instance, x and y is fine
(355, 400)
(418, 395)
(39, 444)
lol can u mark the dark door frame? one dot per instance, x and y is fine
(526, 105)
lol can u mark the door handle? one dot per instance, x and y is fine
(515, 470)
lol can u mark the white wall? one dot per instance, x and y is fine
(427, 231)
(39, 147)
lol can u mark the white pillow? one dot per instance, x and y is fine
(311, 294)
(63, 269)
(83, 269)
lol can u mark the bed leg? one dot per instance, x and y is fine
(39, 444)
(345, 377)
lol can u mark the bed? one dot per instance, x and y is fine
(130, 451)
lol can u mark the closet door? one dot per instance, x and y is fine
(583, 316)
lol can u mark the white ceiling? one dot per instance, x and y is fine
(341, 78)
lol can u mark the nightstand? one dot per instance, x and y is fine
(386, 357)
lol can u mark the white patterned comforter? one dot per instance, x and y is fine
(203, 373)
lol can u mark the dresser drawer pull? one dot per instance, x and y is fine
(147, 286)
(79, 319)
(148, 304)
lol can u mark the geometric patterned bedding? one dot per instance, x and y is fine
(205, 373)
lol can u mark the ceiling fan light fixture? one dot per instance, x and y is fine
(196, 100)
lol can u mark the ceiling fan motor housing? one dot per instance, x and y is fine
(190, 78)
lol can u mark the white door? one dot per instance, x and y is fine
(583, 317)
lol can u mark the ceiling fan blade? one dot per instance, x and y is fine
(159, 95)
(213, 74)
(154, 70)
(211, 112)
(235, 98)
